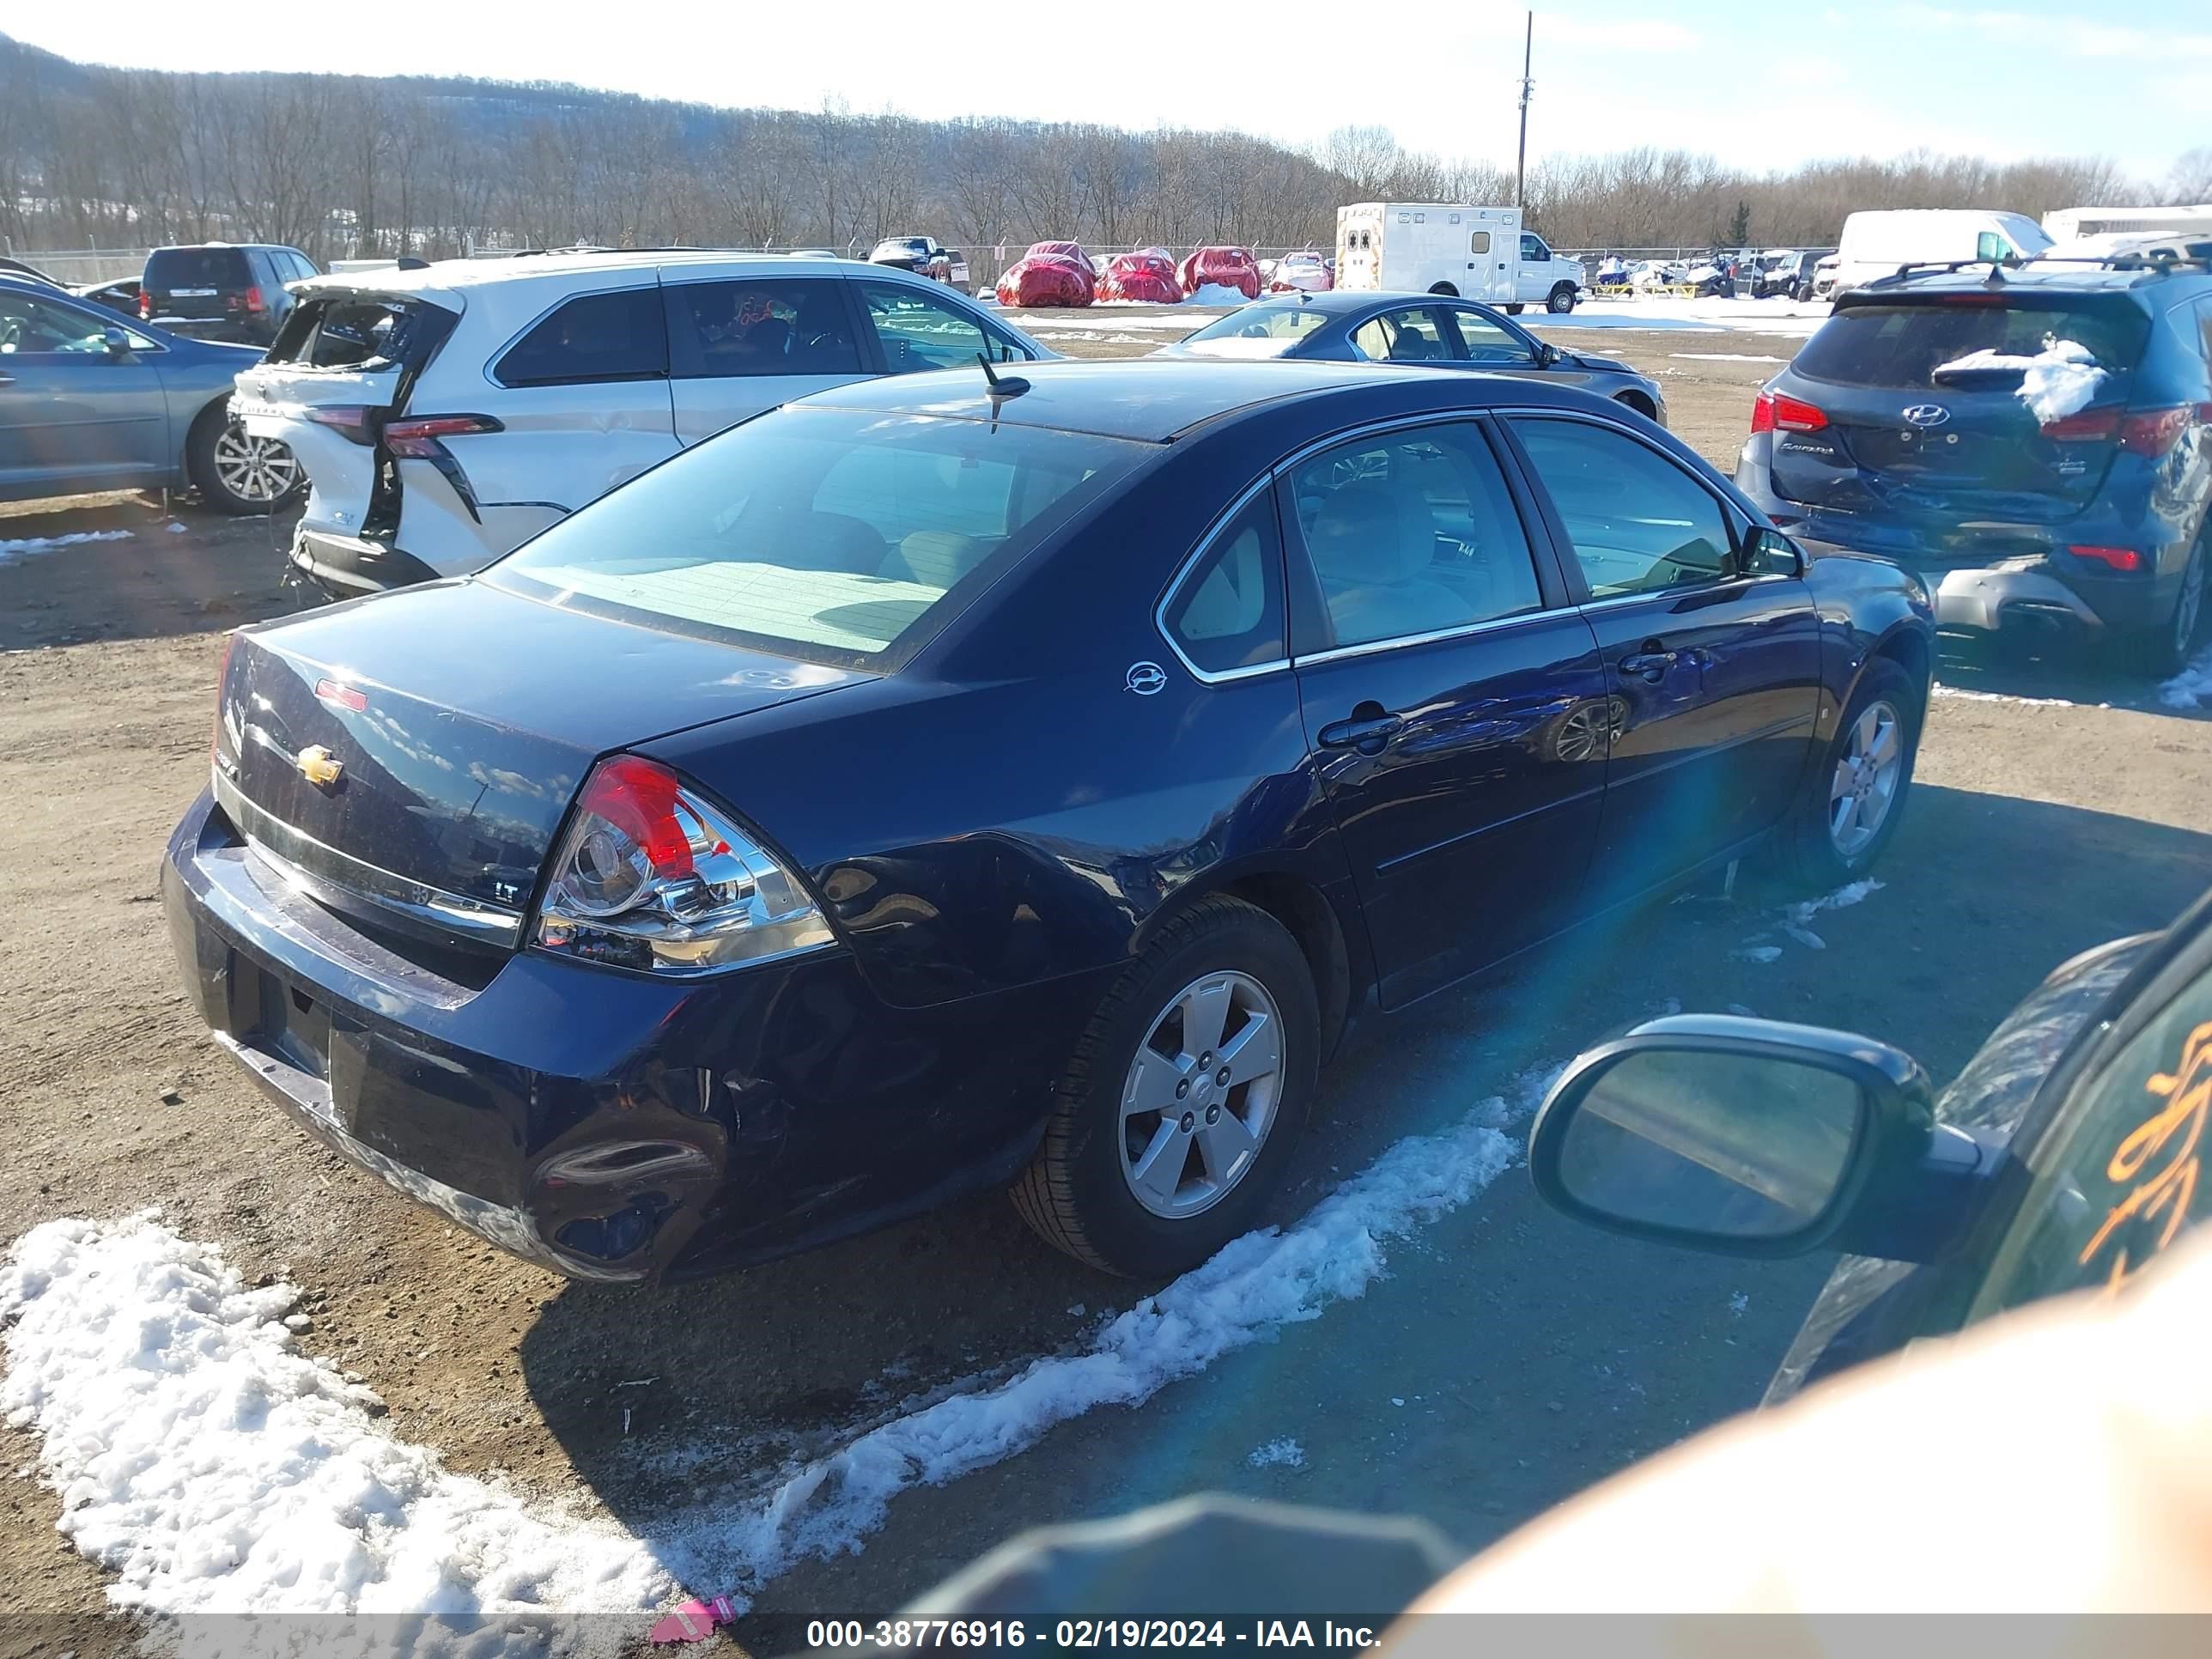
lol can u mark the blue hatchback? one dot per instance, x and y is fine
(939, 783)
(2035, 443)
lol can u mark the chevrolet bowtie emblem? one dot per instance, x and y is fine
(319, 766)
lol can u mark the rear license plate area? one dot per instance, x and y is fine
(288, 1023)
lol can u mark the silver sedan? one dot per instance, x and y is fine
(1427, 328)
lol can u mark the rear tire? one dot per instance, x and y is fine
(239, 475)
(1561, 300)
(1445, 289)
(1134, 1112)
(1513, 309)
(2165, 649)
(1822, 845)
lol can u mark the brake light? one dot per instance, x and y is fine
(2154, 432)
(2112, 558)
(2090, 425)
(1771, 411)
(253, 300)
(145, 306)
(356, 421)
(418, 434)
(650, 876)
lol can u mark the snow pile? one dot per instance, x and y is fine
(2057, 381)
(2192, 686)
(1278, 1454)
(1794, 917)
(1216, 294)
(1256, 1285)
(212, 1468)
(29, 545)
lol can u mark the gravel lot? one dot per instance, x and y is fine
(1509, 1360)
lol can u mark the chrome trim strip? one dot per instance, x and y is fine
(1487, 625)
(1614, 601)
(345, 884)
(1265, 483)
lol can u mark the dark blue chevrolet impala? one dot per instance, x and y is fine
(937, 784)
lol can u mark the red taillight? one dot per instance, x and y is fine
(2090, 425)
(1771, 411)
(253, 300)
(345, 696)
(2113, 558)
(2154, 432)
(145, 306)
(356, 421)
(638, 798)
(418, 434)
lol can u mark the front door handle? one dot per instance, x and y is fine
(1367, 734)
(1652, 662)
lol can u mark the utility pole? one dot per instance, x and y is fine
(1521, 156)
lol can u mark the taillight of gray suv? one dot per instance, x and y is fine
(2034, 442)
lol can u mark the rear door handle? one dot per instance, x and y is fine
(1367, 735)
(1650, 663)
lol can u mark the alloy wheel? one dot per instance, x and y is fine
(1867, 771)
(255, 469)
(1200, 1094)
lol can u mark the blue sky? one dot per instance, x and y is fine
(1758, 83)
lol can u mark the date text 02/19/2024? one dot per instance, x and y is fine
(901, 1634)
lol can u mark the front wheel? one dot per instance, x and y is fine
(1562, 299)
(1849, 808)
(239, 474)
(1180, 1105)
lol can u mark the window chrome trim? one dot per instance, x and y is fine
(349, 886)
(1489, 624)
(1613, 601)
(1249, 671)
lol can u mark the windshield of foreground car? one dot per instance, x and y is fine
(842, 535)
(1262, 330)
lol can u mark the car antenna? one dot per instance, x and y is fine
(999, 387)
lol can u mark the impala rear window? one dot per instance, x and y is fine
(844, 536)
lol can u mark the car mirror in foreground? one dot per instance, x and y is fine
(1768, 552)
(117, 342)
(1546, 353)
(1748, 1137)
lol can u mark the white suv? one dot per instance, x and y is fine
(446, 413)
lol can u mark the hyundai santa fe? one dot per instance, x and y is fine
(2035, 443)
(964, 779)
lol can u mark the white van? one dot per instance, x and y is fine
(2070, 224)
(1877, 242)
(1452, 248)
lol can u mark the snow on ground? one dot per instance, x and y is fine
(1964, 695)
(24, 548)
(1216, 294)
(2056, 381)
(2192, 686)
(1791, 921)
(1255, 1285)
(212, 1467)
(1672, 312)
(1722, 358)
(1278, 1454)
(1167, 317)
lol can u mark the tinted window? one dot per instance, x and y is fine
(918, 330)
(594, 336)
(1228, 612)
(172, 268)
(1413, 335)
(1640, 521)
(2117, 1180)
(1902, 345)
(833, 533)
(1412, 532)
(28, 324)
(796, 327)
(1489, 341)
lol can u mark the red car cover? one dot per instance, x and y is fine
(1148, 274)
(1229, 267)
(1062, 251)
(1045, 280)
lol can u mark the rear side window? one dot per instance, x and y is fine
(594, 336)
(169, 268)
(717, 330)
(1228, 612)
(1903, 345)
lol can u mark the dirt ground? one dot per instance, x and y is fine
(1539, 1356)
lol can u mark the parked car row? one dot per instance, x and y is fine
(1061, 273)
